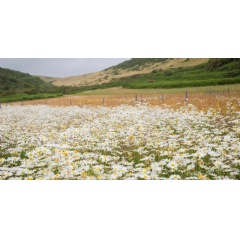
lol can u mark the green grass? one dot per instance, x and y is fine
(215, 72)
(18, 86)
(13, 82)
(26, 97)
(209, 74)
(129, 91)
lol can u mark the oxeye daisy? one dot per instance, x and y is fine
(175, 177)
(218, 164)
(124, 142)
(172, 165)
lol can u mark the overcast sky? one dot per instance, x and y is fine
(59, 67)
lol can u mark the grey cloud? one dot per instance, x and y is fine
(59, 67)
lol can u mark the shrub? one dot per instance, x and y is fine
(167, 73)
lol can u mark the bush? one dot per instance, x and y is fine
(217, 63)
(213, 64)
(167, 73)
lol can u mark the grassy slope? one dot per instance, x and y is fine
(47, 78)
(145, 91)
(215, 72)
(128, 68)
(12, 81)
(15, 86)
(136, 63)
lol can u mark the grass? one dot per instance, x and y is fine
(216, 72)
(26, 97)
(127, 91)
(14, 82)
(136, 63)
(209, 74)
(18, 86)
(217, 99)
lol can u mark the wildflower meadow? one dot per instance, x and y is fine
(124, 142)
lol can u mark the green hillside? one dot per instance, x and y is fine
(14, 82)
(16, 86)
(136, 63)
(214, 72)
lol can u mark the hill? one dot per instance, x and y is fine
(15, 85)
(214, 72)
(47, 78)
(162, 73)
(127, 68)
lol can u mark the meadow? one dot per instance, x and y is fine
(177, 135)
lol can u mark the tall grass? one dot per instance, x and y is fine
(26, 97)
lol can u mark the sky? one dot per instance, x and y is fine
(59, 67)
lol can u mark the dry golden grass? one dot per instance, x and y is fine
(106, 76)
(202, 101)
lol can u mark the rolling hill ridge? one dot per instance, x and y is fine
(132, 74)
(127, 68)
(160, 73)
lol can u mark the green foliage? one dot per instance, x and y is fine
(18, 86)
(13, 82)
(26, 97)
(167, 73)
(136, 63)
(214, 64)
(214, 72)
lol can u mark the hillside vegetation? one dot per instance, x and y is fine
(47, 78)
(127, 68)
(15, 86)
(138, 63)
(14, 82)
(215, 72)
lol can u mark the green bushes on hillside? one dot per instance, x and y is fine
(214, 72)
(14, 82)
(136, 63)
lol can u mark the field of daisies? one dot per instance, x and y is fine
(123, 142)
